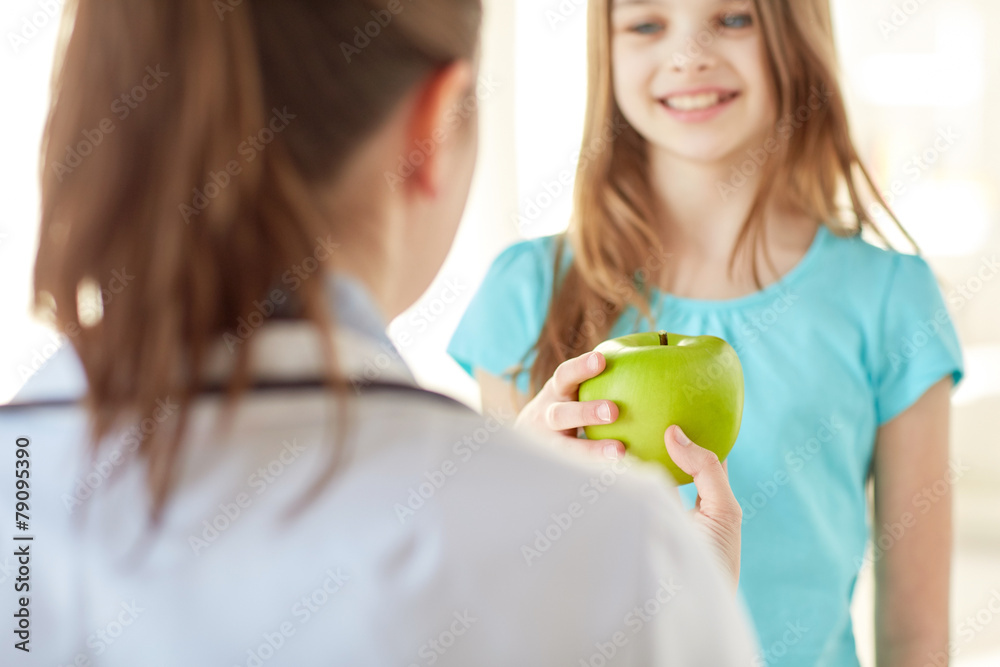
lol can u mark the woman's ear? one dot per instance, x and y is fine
(443, 108)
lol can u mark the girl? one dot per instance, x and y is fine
(731, 203)
(267, 537)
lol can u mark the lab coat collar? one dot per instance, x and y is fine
(290, 350)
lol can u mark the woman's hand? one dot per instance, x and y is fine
(716, 511)
(557, 410)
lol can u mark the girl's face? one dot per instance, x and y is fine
(691, 76)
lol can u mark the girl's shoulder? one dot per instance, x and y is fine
(529, 265)
(538, 252)
(507, 312)
(863, 268)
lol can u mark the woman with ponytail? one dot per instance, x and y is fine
(248, 474)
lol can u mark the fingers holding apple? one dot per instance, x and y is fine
(571, 415)
(717, 511)
(570, 374)
(557, 410)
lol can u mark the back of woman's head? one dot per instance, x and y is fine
(185, 147)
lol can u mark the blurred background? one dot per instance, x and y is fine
(913, 71)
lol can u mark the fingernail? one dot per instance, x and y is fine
(611, 452)
(604, 412)
(593, 362)
(681, 437)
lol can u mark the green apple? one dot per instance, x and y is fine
(658, 379)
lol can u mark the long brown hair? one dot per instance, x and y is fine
(184, 149)
(612, 234)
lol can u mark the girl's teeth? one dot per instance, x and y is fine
(693, 102)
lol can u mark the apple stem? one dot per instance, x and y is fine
(663, 338)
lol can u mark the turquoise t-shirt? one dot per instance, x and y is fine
(848, 339)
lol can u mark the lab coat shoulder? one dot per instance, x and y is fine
(599, 555)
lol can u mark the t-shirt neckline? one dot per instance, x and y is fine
(775, 289)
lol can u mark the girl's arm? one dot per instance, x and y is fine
(913, 520)
(498, 394)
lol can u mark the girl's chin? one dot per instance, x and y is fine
(702, 153)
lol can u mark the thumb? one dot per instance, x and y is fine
(718, 510)
(704, 467)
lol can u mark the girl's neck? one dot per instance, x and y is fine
(700, 211)
(700, 214)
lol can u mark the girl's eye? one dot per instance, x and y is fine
(736, 21)
(647, 28)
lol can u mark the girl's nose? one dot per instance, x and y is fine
(691, 60)
(692, 49)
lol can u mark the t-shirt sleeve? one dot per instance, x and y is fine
(505, 317)
(919, 343)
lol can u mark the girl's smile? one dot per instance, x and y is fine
(698, 105)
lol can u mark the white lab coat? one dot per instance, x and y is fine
(446, 539)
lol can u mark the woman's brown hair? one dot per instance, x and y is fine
(612, 232)
(184, 147)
